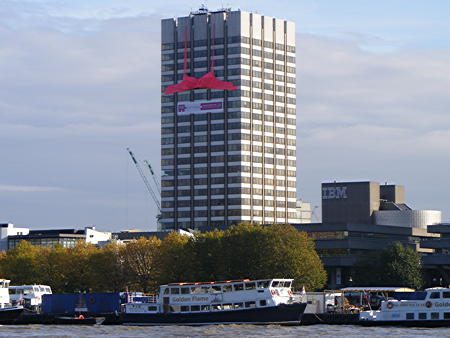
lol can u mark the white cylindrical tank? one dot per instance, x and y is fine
(408, 218)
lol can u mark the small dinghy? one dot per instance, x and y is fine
(78, 320)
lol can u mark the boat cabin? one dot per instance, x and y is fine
(217, 296)
(28, 295)
(431, 304)
(4, 294)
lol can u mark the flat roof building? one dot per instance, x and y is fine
(64, 237)
(228, 123)
(359, 217)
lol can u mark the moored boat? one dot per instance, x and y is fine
(8, 314)
(429, 308)
(228, 302)
(77, 320)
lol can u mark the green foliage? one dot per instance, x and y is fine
(243, 251)
(395, 266)
(140, 259)
(246, 251)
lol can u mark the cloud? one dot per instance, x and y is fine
(76, 92)
(24, 188)
(381, 117)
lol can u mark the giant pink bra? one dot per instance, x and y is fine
(208, 80)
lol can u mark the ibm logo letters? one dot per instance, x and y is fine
(329, 193)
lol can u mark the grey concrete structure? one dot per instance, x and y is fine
(350, 202)
(360, 217)
(228, 156)
(341, 245)
(437, 264)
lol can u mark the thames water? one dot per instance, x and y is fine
(218, 331)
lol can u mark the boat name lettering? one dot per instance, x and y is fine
(412, 304)
(446, 304)
(190, 299)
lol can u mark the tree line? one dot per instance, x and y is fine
(242, 251)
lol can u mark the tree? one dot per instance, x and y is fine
(107, 268)
(397, 265)
(140, 259)
(175, 259)
(21, 264)
(243, 251)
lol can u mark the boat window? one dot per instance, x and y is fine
(262, 302)
(41, 289)
(215, 307)
(174, 308)
(47, 289)
(238, 287)
(36, 289)
(184, 308)
(422, 315)
(410, 315)
(174, 291)
(204, 307)
(152, 308)
(264, 284)
(196, 289)
(275, 284)
(287, 284)
(435, 295)
(166, 291)
(227, 306)
(195, 308)
(446, 315)
(434, 315)
(216, 289)
(227, 288)
(250, 286)
(184, 291)
(238, 305)
(250, 304)
(205, 289)
(445, 294)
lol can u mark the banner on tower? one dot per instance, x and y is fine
(199, 106)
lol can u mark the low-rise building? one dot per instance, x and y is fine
(8, 229)
(359, 217)
(64, 237)
(437, 263)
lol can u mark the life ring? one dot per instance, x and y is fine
(428, 304)
(273, 292)
(92, 299)
(290, 292)
(390, 305)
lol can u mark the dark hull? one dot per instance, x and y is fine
(408, 323)
(10, 315)
(288, 314)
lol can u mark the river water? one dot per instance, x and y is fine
(218, 331)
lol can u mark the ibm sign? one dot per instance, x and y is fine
(329, 193)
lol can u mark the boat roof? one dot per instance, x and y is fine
(377, 289)
(27, 286)
(227, 281)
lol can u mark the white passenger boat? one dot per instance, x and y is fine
(227, 302)
(429, 308)
(30, 296)
(8, 313)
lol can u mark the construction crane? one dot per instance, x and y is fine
(155, 179)
(146, 182)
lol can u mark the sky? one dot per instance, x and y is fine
(79, 83)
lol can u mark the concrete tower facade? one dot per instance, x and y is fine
(228, 156)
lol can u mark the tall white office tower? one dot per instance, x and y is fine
(227, 156)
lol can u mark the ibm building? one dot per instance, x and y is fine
(228, 120)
